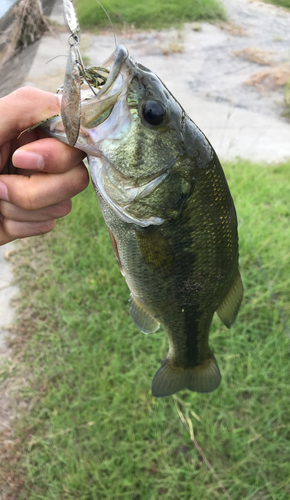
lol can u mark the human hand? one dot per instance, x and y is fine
(38, 176)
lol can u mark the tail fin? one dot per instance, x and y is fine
(168, 380)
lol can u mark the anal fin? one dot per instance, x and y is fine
(229, 308)
(168, 379)
(142, 319)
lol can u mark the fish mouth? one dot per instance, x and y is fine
(96, 107)
(106, 115)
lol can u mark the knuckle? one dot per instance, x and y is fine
(27, 201)
(27, 195)
(24, 93)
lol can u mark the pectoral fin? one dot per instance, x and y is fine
(142, 319)
(155, 250)
(229, 308)
(168, 380)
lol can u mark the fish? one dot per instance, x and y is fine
(169, 211)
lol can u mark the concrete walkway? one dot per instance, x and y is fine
(7, 292)
(206, 77)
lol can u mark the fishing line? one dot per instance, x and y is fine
(115, 39)
(274, 298)
(55, 57)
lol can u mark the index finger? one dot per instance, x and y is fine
(47, 155)
(24, 108)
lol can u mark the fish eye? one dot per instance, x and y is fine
(153, 112)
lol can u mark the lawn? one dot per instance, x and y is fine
(281, 3)
(95, 431)
(147, 14)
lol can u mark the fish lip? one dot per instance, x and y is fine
(120, 56)
(94, 106)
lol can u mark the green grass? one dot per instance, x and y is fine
(95, 431)
(281, 3)
(147, 14)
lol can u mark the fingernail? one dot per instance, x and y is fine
(3, 192)
(27, 159)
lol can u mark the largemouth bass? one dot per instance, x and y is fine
(169, 212)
